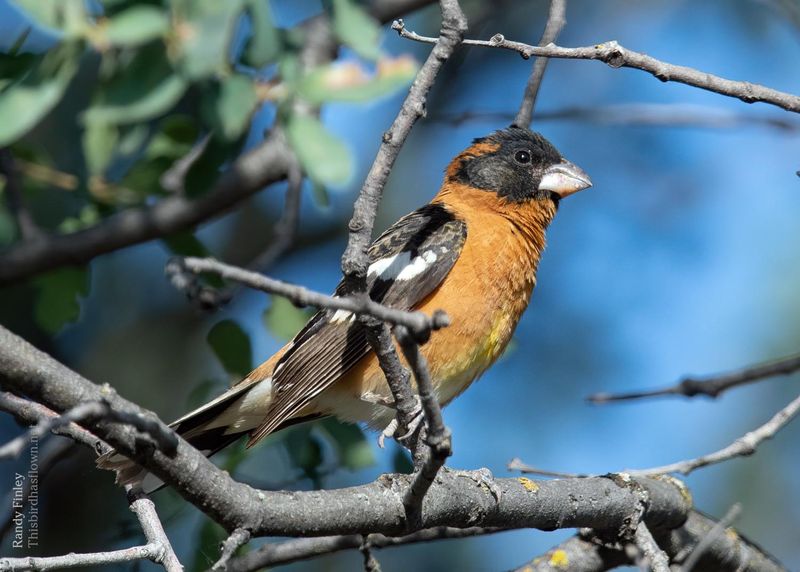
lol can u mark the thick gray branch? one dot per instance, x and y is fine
(453, 500)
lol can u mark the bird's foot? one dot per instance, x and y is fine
(417, 417)
(483, 477)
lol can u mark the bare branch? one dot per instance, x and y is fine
(361, 305)
(31, 413)
(743, 446)
(166, 440)
(72, 560)
(656, 559)
(275, 554)
(230, 545)
(262, 166)
(355, 260)
(711, 386)
(709, 539)
(437, 436)
(655, 114)
(586, 552)
(617, 56)
(153, 530)
(556, 20)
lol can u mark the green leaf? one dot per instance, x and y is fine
(137, 25)
(356, 29)
(264, 45)
(283, 319)
(88, 216)
(24, 103)
(353, 449)
(139, 104)
(99, 140)
(323, 156)
(231, 105)
(320, 195)
(347, 82)
(58, 297)
(68, 16)
(231, 345)
(207, 30)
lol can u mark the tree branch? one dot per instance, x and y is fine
(556, 20)
(655, 114)
(270, 555)
(617, 56)
(742, 447)
(454, 500)
(355, 260)
(153, 530)
(437, 436)
(360, 305)
(711, 386)
(729, 552)
(654, 558)
(262, 166)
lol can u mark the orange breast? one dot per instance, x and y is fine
(484, 295)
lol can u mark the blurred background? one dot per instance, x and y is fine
(684, 258)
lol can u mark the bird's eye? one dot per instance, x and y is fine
(522, 157)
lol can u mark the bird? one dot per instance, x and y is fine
(472, 251)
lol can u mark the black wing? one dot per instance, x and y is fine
(407, 262)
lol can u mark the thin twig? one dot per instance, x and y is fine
(399, 380)
(708, 540)
(742, 447)
(556, 20)
(437, 435)
(654, 114)
(145, 511)
(250, 173)
(72, 560)
(166, 441)
(275, 554)
(30, 413)
(362, 305)
(371, 563)
(230, 545)
(355, 260)
(711, 386)
(617, 56)
(657, 560)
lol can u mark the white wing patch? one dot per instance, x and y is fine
(340, 316)
(401, 266)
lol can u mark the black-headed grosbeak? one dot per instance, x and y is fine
(472, 252)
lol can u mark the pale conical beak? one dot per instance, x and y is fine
(564, 178)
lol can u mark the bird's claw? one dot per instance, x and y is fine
(417, 417)
(388, 431)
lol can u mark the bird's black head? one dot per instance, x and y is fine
(518, 165)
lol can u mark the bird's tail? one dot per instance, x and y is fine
(209, 429)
